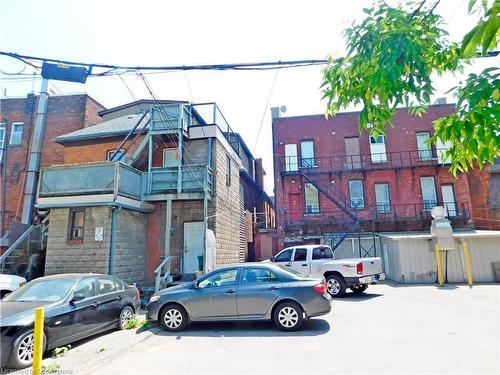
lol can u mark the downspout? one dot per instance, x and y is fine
(3, 171)
(112, 240)
(205, 202)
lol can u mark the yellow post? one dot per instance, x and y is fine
(439, 265)
(468, 268)
(38, 344)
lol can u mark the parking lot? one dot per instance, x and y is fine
(388, 330)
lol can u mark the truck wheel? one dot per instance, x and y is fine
(358, 289)
(335, 285)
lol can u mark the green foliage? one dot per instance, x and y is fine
(391, 55)
(486, 34)
(59, 352)
(474, 129)
(137, 322)
(51, 368)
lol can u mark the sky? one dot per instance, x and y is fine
(156, 33)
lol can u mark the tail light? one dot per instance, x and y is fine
(320, 288)
(138, 293)
(359, 268)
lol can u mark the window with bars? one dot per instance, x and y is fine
(77, 224)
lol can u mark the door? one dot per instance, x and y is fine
(382, 197)
(423, 147)
(353, 157)
(193, 246)
(291, 162)
(215, 296)
(258, 289)
(441, 148)
(307, 154)
(299, 262)
(429, 197)
(295, 213)
(110, 299)
(284, 257)
(449, 202)
(377, 149)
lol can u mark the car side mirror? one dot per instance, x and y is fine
(76, 298)
(271, 259)
(196, 284)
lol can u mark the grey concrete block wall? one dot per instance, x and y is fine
(130, 245)
(89, 255)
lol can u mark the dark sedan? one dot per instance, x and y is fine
(242, 292)
(76, 306)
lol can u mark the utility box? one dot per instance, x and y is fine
(441, 229)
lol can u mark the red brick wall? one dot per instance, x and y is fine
(485, 216)
(64, 114)
(328, 136)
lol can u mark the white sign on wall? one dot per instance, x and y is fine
(99, 233)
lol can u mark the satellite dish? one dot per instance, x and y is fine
(283, 109)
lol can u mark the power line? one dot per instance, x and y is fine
(265, 109)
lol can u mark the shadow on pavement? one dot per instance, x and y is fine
(353, 297)
(311, 327)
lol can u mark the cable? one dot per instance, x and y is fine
(265, 109)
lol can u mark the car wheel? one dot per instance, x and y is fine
(173, 318)
(21, 355)
(125, 316)
(358, 289)
(335, 285)
(288, 316)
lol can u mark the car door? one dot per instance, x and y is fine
(284, 257)
(214, 297)
(259, 287)
(110, 299)
(300, 262)
(83, 316)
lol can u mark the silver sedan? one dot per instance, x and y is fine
(247, 291)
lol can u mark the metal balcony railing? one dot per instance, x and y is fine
(375, 161)
(168, 118)
(379, 213)
(194, 179)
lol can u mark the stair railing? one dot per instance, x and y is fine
(15, 245)
(163, 272)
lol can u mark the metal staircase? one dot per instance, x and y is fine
(23, 257)
(348, 207)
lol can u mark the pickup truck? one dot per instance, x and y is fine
(340, 274)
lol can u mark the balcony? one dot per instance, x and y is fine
(108, 182)
(392, 213)
(352, 163)
(170, 118)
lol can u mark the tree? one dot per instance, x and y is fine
(391, 56)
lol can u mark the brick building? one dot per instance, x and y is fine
(167, 202)
(333, 183)
(65, 113)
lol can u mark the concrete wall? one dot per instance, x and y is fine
(413, 260)
(87, 255)
(130, 245)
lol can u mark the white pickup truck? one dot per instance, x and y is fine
(340, 274)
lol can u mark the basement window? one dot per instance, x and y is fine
(77, 221)
(16, 134)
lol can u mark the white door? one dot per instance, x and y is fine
(441, 148)
(377, 149)
(429, 196)
(291, 162)
(299, 261)
(424, 148)
(193, 245)
(449, 200)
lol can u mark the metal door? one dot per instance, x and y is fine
(193, 245)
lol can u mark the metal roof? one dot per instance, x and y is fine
(427, 235)
(115, 127)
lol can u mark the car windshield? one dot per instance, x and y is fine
(41, 290)
(292, 271)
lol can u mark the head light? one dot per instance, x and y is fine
(154, 298)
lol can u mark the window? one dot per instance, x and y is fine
(171, 157)
(378, 140)
(228, 170)
(377, 149)
(284, 256)
(85, 288)
(221, 278)
(257, 276)
(322, 253)
(291, 157)
(312, 198)
(2, 140)
(429, 197)
(77, 220)
(423, 147)
(16, 134)
(119, 155)
(356, 193)
(105, 286)
(307, 154)
(382, 197)
(300, 255)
